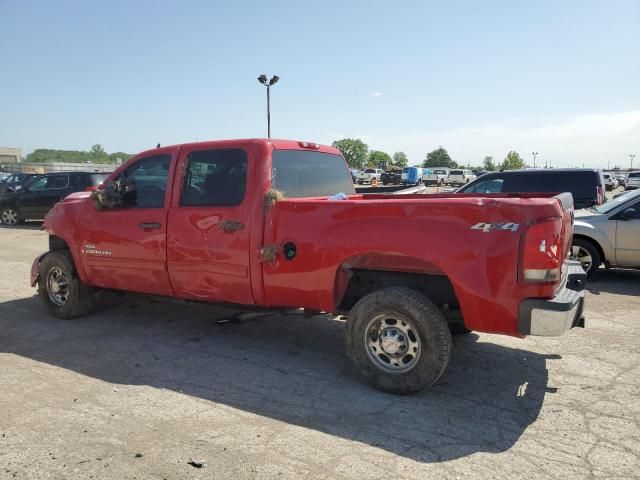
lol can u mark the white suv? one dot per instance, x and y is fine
(460, 177)
(633, 181)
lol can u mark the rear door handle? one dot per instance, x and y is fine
(147, 226)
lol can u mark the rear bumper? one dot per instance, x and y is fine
(553, 317)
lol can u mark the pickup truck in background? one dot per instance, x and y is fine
(256, 224)
(368, 174)
(436, 176)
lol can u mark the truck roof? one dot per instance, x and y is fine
(278, 144)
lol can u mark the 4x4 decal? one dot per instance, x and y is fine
(488, 227)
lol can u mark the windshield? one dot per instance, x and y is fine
(616, 202)
(299, 173)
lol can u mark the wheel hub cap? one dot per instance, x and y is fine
(57, 286)
(393, 343)
(9, 217)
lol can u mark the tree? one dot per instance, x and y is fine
(376, 157)
(97, 149)
(354, 150)
(488, 164)
(400, 159)
(95, 155)
(439, 158)
(512, 161)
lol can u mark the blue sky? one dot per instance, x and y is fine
(479, 78)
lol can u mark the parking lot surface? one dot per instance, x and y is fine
(142, 387)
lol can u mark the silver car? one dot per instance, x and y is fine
(608, 234)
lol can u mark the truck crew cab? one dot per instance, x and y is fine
(257, 223)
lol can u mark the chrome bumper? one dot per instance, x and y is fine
(551, 318)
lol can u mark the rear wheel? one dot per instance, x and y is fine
(587, 254)
(10, 216)
(398, 340)
(61, 291)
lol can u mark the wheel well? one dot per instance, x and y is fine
(594, 243)
(437, 288)
(57, 243)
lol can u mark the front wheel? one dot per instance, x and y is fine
(61, 291)
(398, 340)
(587, 254)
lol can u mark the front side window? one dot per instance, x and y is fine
(56, 182)
(38, 184)
(143, 184)
(214, 178)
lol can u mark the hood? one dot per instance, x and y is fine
(76, 197)
(585, 214)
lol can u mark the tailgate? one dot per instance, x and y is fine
(566, 202)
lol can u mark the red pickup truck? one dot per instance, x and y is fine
(257, 224)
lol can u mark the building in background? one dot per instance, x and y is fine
(10, 155)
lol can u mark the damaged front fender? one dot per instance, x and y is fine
(35, 267)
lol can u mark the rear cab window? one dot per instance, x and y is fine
(300, 173)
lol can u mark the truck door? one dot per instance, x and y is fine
(124, 246)
(209, 226)
(628, 236)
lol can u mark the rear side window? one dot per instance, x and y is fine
(532, 182)
(493, 185)
(215, 178)
(580, 184)
(300, 173)
(82, 181)
(634, 175)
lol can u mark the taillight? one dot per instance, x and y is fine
(542, 252)
(600, 195)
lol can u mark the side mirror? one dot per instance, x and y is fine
(628, 213)
(107, 197)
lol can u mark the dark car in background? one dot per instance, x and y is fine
(15, 181)
(586, 185)
(40, 193)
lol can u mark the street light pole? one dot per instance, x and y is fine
(632, 156)
(268, 83)
(535, 154)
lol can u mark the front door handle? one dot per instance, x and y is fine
(148, 226)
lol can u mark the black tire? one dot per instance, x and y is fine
(592, 250)
(10, 216)
(420, 319)
(72, 300)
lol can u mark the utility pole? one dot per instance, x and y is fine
(631, 157)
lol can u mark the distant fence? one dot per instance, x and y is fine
(57, 167)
